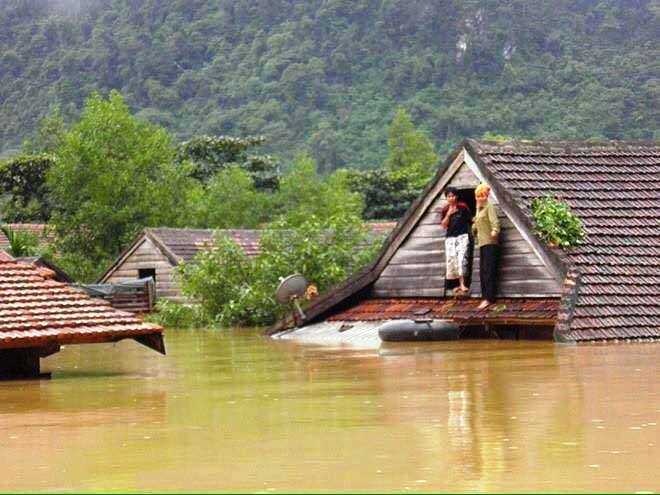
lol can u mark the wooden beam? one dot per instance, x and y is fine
(17, 364)
(152, 341)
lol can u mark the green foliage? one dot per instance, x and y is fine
(323, 75)
(410, 152)
(211, 154)
(229, 200)
(411, 162)
(233, 289)
(499, 138)
(113, 175)
(304, 193)
(555, 223)
(20, 243)
(386, 196)
(49, 135)
(222, 280)
(23, 190)
(170, 314)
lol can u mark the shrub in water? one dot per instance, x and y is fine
(174, 315)
(234, 289)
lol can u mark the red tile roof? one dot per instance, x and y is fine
(36, 311)
(39, 230)
(465, 311)
(614, 188)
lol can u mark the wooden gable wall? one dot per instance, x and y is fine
(147, 255)
(417, 269)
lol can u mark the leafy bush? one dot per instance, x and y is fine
(555, 223)
(175, 315)
(233, 289)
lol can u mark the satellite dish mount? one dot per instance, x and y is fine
(290, 291)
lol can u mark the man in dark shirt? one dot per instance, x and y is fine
(456, 218)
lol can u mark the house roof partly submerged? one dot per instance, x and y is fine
(182, 245)
(39, 312)
(611, 282)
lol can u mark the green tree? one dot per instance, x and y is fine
(387, 196)
(229, 200)
(411, 162)
(23, 189)
(211, 154)
(113, 176)
(303, 193)
(410, 151)
(233, 289)
(49, 135)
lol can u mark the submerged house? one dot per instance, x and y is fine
(156, 252)
(607, 288)
(38, 315)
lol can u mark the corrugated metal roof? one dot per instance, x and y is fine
(362, 334)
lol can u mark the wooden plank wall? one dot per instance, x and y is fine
(417, 269)
(147, 255)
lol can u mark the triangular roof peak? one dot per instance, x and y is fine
(614, 186)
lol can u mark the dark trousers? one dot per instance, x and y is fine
(488, 257)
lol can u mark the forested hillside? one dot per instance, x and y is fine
(327, 75)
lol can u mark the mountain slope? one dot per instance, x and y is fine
(327, 75)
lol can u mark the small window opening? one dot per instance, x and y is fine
(467, 197)
(147, 273)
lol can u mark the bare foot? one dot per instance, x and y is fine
(484, 304)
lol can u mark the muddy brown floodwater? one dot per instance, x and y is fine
(237, 411)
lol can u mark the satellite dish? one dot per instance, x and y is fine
(290, 290)
(291, 287)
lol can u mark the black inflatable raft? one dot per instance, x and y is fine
(413, 331)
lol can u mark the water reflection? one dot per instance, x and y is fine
(235, 411)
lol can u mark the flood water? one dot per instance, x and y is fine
(237, 411)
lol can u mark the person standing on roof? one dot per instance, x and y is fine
(486, 227)
(456, 218)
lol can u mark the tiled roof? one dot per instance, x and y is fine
(186, 243)
(465, 311)
(37, 311)
(40, 230)
(615, 190)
